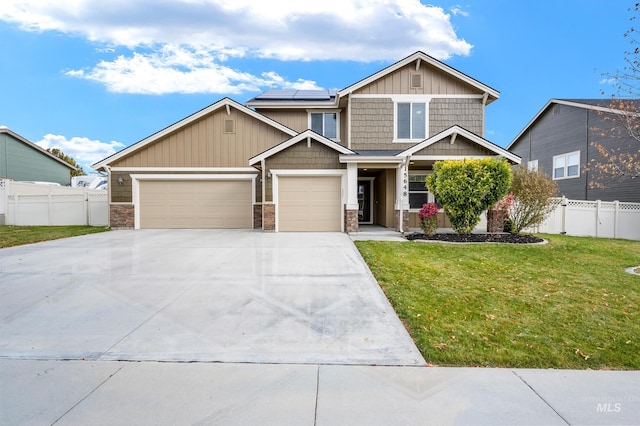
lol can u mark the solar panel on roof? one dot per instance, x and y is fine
(277, 94)
(298, 95)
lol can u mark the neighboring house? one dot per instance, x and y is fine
(22, 160)
(559, 142)
(307, 160)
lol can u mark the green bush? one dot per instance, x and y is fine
(466, 188)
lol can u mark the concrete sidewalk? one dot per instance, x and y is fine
(170, 393)
(168, 327)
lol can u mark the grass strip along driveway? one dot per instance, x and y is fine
(566, 304)
(18, 235)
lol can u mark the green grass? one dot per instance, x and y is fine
(566, 304)
(18, 235)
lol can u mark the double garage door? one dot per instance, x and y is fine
(309, 203)
(305, 203)
(196, 204)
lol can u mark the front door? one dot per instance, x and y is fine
(365, 201)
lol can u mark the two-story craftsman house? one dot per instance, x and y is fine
(305, 160)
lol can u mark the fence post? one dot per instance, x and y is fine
(563, 203)
(50, 208)
(597, 218)
(616, 206)
(16, 209)
(87, 210)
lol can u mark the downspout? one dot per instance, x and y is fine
(349, 122)
(108, 169)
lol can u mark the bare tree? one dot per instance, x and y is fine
(619, 145)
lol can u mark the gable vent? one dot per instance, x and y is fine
(416, 81)
(229, 126)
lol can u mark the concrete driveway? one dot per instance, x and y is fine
(198, 295)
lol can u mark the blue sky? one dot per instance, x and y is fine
(92, 77)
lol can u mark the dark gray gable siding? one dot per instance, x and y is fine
(559, 130)
(562, 129)
(622, 190)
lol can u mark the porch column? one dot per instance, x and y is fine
(401, 222)
(351, 205)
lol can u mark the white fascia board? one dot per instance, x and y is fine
(161, 176)
(426, 58)
(186, 169)
(371, 159)
(302, 136)
(466, 134)
(193, 117)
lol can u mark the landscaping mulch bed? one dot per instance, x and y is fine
(477, 238)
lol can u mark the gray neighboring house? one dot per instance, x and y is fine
(559, 141)
(22, 160)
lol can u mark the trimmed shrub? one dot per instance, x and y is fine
(466, 188)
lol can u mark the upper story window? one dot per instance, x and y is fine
(325, 123)
(411, 121)
(566, 166)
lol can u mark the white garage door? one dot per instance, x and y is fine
(196, 204)
(309, 203)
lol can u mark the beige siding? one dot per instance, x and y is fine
(461, 147)
(296, 119)
(204, 143)
(435, 82)
(466, 113)
(300, 156)
(372, 124)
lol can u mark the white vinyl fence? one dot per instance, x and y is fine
(593, 219)
(28, 204)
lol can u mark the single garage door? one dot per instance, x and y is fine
(309, 203)
(195, 204)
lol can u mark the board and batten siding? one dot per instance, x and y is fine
(295, 119)
(204, 143)
(434, 82)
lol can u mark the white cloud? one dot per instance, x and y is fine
(83, 150)
(181, 45)
(364, 30)
(175, 69)
(458, 10)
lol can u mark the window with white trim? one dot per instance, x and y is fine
(325, 123)
(418, 192)
(532, 165)
(411, 120)
(566, 166)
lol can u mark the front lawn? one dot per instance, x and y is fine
(18, 235)
(566, 304)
